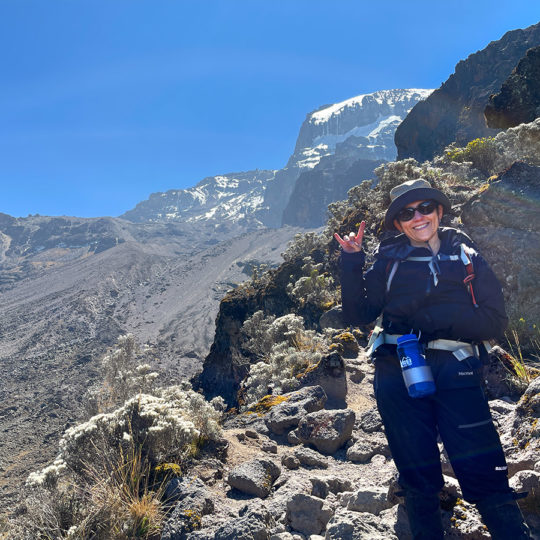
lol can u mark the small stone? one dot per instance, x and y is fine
(270, 447)
(251, 434)
(290, 461)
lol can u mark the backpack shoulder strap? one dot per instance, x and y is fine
(391, 269)
(469, 268)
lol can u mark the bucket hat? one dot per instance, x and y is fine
(408, 192)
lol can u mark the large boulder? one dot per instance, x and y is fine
(503, 221)
(307, 514)
(326, 430)
(329, 373)
(194, 502)
(255, 477)
(297, 404)
(518, 101)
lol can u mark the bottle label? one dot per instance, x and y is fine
(405, 361)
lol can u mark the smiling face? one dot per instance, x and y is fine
(421, 229)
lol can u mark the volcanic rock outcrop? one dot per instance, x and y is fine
(455, 111)
(518, 102)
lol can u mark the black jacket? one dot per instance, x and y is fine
(413, 302)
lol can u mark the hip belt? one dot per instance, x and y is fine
(460, 349)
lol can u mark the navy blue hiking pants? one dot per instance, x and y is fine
(458, 412)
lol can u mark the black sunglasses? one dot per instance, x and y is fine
(425, 208)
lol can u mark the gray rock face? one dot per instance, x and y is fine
(326, 430)
(503, 221)
(307, 515)
(518, 101)
(255, 477)
(455, 111)
(286, 415)
(328, 182)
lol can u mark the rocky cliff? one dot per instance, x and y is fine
(328, 182)
(455, 111)
(360, 128)
(518, 101)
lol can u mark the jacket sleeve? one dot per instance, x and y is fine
(362, 297)
(465, 321)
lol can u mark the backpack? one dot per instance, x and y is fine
(464, 257)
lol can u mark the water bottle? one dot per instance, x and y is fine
(416, 373)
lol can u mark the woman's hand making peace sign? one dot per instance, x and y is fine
(352, 243)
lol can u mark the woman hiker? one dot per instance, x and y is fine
(429, 284)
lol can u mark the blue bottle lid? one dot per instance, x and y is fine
(407, 338)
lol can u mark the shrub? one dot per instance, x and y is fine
(491, 155)
(482, 153)
(126, 372)
(302, 245)
(101, 484)
(315, 288)
(285, 349)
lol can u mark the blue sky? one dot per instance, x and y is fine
(103, 102)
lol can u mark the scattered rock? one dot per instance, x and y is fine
(348, 525)
(290, 461)
(367, 447)
(307, 514)
(326, 430)
(255, 477)
(370, 421)
(321, 487)
(270, 447)
(310, 458)
(367, 499)
(252, 434)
